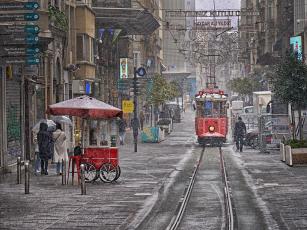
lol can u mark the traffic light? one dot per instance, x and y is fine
(136, 87)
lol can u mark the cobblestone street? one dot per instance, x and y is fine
(118, 205)
(278, 190)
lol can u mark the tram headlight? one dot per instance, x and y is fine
(211, 128)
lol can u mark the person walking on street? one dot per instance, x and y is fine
(122, 130)
(240, 131)
(44, 140)
(142, 119)
(60, 148)
(37, 161)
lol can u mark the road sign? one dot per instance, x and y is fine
(128, 106)
(19, 29)
(17, 17)
(19, 6)
(18, 51)
(28, 39)
(141, 71)
(32, 60)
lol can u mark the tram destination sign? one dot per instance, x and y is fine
(6, 6)
(18, 17)
(18, 51)
(19, 29)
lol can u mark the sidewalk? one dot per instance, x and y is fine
(279, 190)
(119, 205)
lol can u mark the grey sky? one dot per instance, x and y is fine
(219, 4)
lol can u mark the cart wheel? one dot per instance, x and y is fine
(118, 172)
(90, 172)
(108, 173)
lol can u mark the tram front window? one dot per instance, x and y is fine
(208, 108)
(216, 109)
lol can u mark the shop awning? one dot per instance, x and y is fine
(85, 107)
(132, 21)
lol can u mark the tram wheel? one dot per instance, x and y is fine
(108, 173)
(90, 172)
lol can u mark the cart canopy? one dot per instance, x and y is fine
(84, 107)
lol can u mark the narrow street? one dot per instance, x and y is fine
(152, 182)
(146, 176)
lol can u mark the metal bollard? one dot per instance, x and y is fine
(83, 187)
(63, 172)
(18, 170)
(27, 178)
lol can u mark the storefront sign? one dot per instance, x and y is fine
(123, 68)
(128, 106)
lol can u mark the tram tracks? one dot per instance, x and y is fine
(228, 212)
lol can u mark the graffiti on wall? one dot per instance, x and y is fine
(13, 131)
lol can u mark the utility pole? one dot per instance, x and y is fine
(135, 115)
(136, 91)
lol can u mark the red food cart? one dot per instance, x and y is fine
(99, 157)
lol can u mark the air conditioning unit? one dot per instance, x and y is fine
(82, 87)
(78, 87)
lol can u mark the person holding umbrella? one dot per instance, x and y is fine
(44, 140)
(60, 149)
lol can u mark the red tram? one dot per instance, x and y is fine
(211, 117)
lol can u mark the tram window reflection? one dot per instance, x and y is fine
(216, 109)
(223, 108)
(208, 108)
(199, 109)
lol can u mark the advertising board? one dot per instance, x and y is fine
(297, 47)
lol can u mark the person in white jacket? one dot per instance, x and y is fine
(60, 148)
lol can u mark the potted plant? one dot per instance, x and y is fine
(295, 152)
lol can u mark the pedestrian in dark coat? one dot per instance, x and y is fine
(44, 140)
(240, 131)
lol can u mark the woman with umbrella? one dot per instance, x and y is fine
(44, 140)
(60, 149)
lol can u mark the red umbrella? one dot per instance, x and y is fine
(84, 107)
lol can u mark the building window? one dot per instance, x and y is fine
(85, 50)
(136, 59)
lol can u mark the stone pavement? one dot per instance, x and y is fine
(279, 190)
(119, 205)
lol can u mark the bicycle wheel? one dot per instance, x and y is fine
(90, 172)
(118, 172)
(108, 173)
